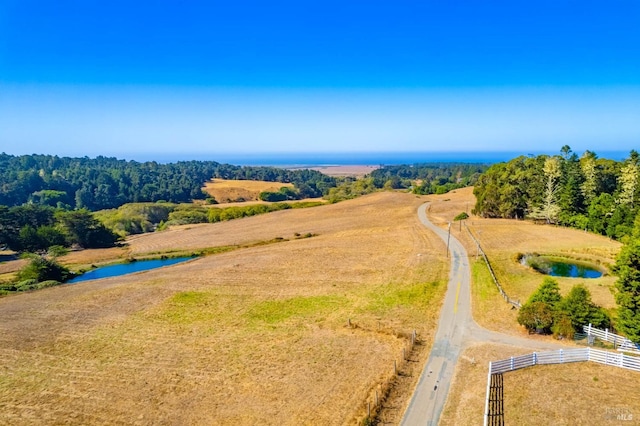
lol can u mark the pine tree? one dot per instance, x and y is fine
(590, 172)
(628, 180)
(550, 209)
(628, 285)
(548, 292)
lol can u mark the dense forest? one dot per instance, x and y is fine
(48, 200)
(427, 178)
(587, 192)
(35, 228)
(430, 178)
(103, 183)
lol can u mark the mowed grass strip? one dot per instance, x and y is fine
(489, 308)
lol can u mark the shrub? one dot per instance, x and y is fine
(42, 269)
(57, 251)
(547, 311)
(562, 327)
(536, 316)
(461, 216)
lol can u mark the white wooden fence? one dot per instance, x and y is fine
(561, 356)
(620, 343)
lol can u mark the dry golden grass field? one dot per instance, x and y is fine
(502, 240)
(582, 393)
(226, 190)
(254, 335)
(569, 394)
(259, 334)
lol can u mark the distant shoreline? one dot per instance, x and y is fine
(306, 160)
(315, 160)
(339, 170)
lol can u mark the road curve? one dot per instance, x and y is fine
(431, 392)
(456, 329)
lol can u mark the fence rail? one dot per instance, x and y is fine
(563, 356)
(494, 415)
(506, 297)
(621, 343)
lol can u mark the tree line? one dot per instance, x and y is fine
(104, 182)
(35, 228)
(429, 178)
(587, 192)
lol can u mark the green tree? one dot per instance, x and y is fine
(536, 316)
(552, 172)
(628, 180)
(562, 327)
(580, 310)
(548, 292)
(28, 239)
(600, 211)
(461, 216)
(590, 172)
(43, 269)
(627, 268)
(83, 229)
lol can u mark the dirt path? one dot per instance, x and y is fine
(456, 331)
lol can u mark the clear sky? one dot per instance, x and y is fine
(138, 79)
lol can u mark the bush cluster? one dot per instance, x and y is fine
(547, 311)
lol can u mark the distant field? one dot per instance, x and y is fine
(225, 191)
(340, 171)
(257, 335)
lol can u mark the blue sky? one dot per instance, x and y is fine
(144, 79)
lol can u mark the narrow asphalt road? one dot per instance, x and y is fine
(431, 393)
(456, 329)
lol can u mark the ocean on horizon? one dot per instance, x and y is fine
(308, 159)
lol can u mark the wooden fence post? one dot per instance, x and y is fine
(486, 402)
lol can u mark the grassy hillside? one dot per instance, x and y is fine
(229, 190)
(254, 335)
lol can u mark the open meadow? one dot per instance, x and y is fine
(297, 319)
(229, 190)
(581, 393)
(257, 334)
(503, 240)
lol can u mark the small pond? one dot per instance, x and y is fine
(558, 268)
(126, 268)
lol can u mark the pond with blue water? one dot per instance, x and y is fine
(126, 268)
(557, 268)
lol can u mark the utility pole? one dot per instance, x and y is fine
(448, 238)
